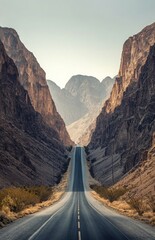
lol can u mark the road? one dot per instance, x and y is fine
(77, 216)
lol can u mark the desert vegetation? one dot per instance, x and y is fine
(142, 208)
(15, 199)
(137, 204)
(112, 194)
(151, 203)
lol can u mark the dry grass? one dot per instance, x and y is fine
(151, 202)
(58, 192)
(126, 208)
(122, 203)
(139, 199)
(137, 204)
(18, 202)
(112, 194)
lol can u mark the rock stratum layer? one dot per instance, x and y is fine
(125, 127)
(32, 78)
(31, 153)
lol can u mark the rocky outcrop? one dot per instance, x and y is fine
(32, 78)
(134, 55)
(31, 151)
(126, 124)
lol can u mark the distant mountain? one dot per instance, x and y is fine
(86, 89)
(125, 128)
(79, 103)
(32, 78)
(31, 152)
(69, 106)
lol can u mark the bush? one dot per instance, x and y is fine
(115, 193)
(17, 199)
(137, 204)
(42, 192)
(151, 202)
(112, 194)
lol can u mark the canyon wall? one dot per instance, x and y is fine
(32, 78)
(125, 127)
(31, 151)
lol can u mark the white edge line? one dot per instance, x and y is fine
(42, 226)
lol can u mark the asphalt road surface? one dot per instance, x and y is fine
(77, 216)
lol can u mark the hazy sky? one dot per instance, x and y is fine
(71, 37)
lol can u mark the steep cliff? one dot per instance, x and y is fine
(31, 152)
(134, 55)
(32, 78)
(126, 124)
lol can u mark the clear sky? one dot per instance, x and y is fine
(71, 37)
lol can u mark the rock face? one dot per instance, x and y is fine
(32, 78)
(140, 181)
(31, 151)
(134, 55)
(79, 103)
(125, 127)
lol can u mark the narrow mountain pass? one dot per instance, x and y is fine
(77, 216)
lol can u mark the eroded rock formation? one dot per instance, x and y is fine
(31, 152)
(126, 124)
(32, 78)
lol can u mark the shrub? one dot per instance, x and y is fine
(151, 202)
(137, 204)
(42, 192)
(112, 194)
(115, 193)
(101, 190)
(17, 199)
